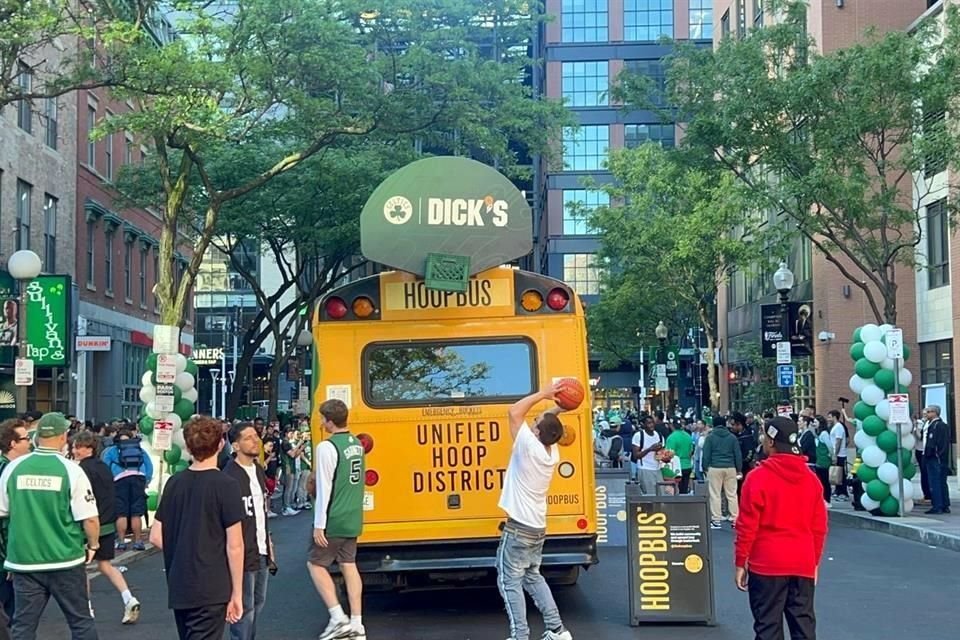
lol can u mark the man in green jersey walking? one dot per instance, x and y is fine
(51, 510)
(681, 444)
(338, 521)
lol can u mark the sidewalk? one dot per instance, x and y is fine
(935, 530)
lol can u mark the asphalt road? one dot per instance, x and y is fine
(871, 586)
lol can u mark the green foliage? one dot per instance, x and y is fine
(835, 144)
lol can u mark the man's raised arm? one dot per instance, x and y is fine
(519, 410)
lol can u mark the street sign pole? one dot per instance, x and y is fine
(895, 347)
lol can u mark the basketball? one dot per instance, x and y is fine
(570, 395)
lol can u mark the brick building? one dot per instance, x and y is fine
(837, 307)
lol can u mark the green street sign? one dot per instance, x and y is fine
(446, 205)
(48, 320)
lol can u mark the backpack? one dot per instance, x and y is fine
(129, 453)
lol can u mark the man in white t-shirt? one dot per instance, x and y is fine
(524, 498)
(838, 436)
(646, 443)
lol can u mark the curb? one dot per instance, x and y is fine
(127, 558)
(890, 526)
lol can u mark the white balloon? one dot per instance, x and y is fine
(907, 506)
(181, 363)
(857, 384)
(883, 409)
(887, 364)
(905, 377)
(892, 426)
(908, 442)
(887, 472)
(875, 351)
(907, 490)
(151, 411)
(185, 381)
(864, 440)
(884, 328)
(178, 440)
(870, 333)
(869, 503)
(873, 456)
(147, 379)
(872, 394)
(147, 394)
(191, 395)
(174, 419)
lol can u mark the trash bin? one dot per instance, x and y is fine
(670, 558)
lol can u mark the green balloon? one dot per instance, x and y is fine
(904, 455)
(152, 362)
(884, 379)
(888, 442)
(182, 465)
(192, 368)
(856, 351)
(874, 425)
(906, 353)
(146, 425)
(856, 335)
(909, 471)
(866, 369)
(184, 409)
(862, 410)
(878, 490)
(866, 474)
(152, 500)
(172, 455)
(890, 506)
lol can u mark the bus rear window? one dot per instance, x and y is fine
(448, 372)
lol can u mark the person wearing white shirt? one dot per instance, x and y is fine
(838, 450)
(646, 442)
(532, 462)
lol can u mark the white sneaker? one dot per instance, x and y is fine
(272, 514)
(131, 612)
(290, 511)
(337, 629)
(358, 633)
(563, 634)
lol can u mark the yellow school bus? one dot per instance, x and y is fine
(428, 376)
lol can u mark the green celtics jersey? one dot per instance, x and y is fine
(45, 498)
(345, 510)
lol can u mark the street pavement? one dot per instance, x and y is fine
(871, 586)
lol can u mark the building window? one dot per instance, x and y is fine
(741, 18)
(938, 245)
(647, 20)
(143, 156)
(725, 24)
(936, 367)
(654, 70)
(577, 206)
(143, 277)
(134, 363)
(585, 84)
(156, 280)
(585, 149)
(584, 21)
(50, 234)
(25, 85)
(51, 115)
(757, 13)
(701, 19)
(91, 267)
(127, 150)
(91, 144)
(581, 273)
(934, 126)
(108, 260)
(635, 135)
(24, 198)
(127, 270)
(109, 156)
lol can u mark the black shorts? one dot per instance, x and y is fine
(339, 550)
(106, 550)
(131, 496)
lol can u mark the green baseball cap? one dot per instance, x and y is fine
(52, 424)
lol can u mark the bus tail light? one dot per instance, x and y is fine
(372, 478)
(582, 523)
(336, 308)
(558, 299)
(531, 300)
(362, 307)
(367, 441)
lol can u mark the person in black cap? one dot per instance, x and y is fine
(781, 531)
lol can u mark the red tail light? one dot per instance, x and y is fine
(558, 299)
(336, 308)
(367, 441)
(372, 477)
(582, 523)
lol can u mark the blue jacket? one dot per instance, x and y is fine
(112, 459)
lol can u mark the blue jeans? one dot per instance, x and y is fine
(68, 587)
(937, 479)
(518, 569)
(254, 597)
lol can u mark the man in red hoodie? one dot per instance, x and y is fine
(781, 530)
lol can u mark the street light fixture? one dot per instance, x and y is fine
(23, 265)
(783, 282)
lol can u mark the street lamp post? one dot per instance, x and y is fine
(24, 266)
(661, 333)
(783, 283)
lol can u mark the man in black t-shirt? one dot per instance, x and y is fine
(198, 527)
